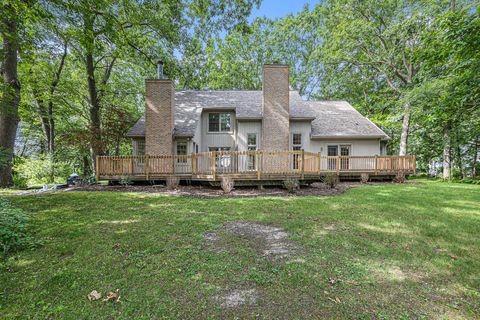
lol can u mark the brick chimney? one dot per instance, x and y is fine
(276, 107)
(159, 115)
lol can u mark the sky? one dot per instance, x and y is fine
(280, 8)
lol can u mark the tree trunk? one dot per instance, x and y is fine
(459, 162)
(10, 95)
(474, 162)
(446, 153)
(405, 129)
(95, 121)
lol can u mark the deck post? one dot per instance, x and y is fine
(130, 169)
(213, 156)
(319, 163)
(173, 164)
(338, 165)
(258, 164)
(97, 173)
(146, 166)
(376, 165)
(303, 164)
(194, 169)
(414, 164)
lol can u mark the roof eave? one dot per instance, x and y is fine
(356, 137)
(249, 118)
(302, 118)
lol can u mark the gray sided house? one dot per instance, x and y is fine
(275, 118)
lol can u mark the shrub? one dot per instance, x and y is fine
(227, 184)
(330, 180)
(39, 171)
(291, 185)
(172, 182)
(400, 177)
(125, 180)
(14, 233)
(364, 177)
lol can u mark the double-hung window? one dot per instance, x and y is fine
(140, 147)
(181, 151)
(251, 146)
(219, 122)
(296, 146)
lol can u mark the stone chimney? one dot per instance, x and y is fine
(276, 107)
(159, 114)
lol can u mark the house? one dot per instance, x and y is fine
(275, 118)
(266, 134)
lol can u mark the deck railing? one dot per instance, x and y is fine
(260, 164)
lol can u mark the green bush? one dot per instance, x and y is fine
(29, 172)
(331, 180)
(14, 233)
(292, 185)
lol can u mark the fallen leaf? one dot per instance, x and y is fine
(336, 300)
(113, 296)
(94, 295)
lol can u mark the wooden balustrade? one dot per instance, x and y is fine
(261, 164)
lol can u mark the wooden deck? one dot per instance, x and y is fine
(249, 165)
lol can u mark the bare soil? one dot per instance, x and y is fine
(269, 242)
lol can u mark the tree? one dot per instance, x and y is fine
(10, 89)
(449, 92)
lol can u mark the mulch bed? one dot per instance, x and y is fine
(316, 189)
(216, 192)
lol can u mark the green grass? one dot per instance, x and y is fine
(392, 251)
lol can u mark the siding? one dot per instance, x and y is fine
(364, 147)
(217, 139)
(246, 127)
(305, 128)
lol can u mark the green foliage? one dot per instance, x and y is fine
(292, 185)
(14, 231)
(29, 172)
(330, 180)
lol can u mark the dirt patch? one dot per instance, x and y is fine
(237, 298)
(268, 241)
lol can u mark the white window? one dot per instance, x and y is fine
(219, 122)
(297, 141)
(296, 146)
(252, 141)
(182, 151)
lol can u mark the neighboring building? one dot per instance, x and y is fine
(276, 118)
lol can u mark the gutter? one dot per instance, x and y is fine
(357, 137)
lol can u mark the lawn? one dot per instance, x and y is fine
(383, 251)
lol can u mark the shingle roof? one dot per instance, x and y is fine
(331, 118)
(340, 119)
